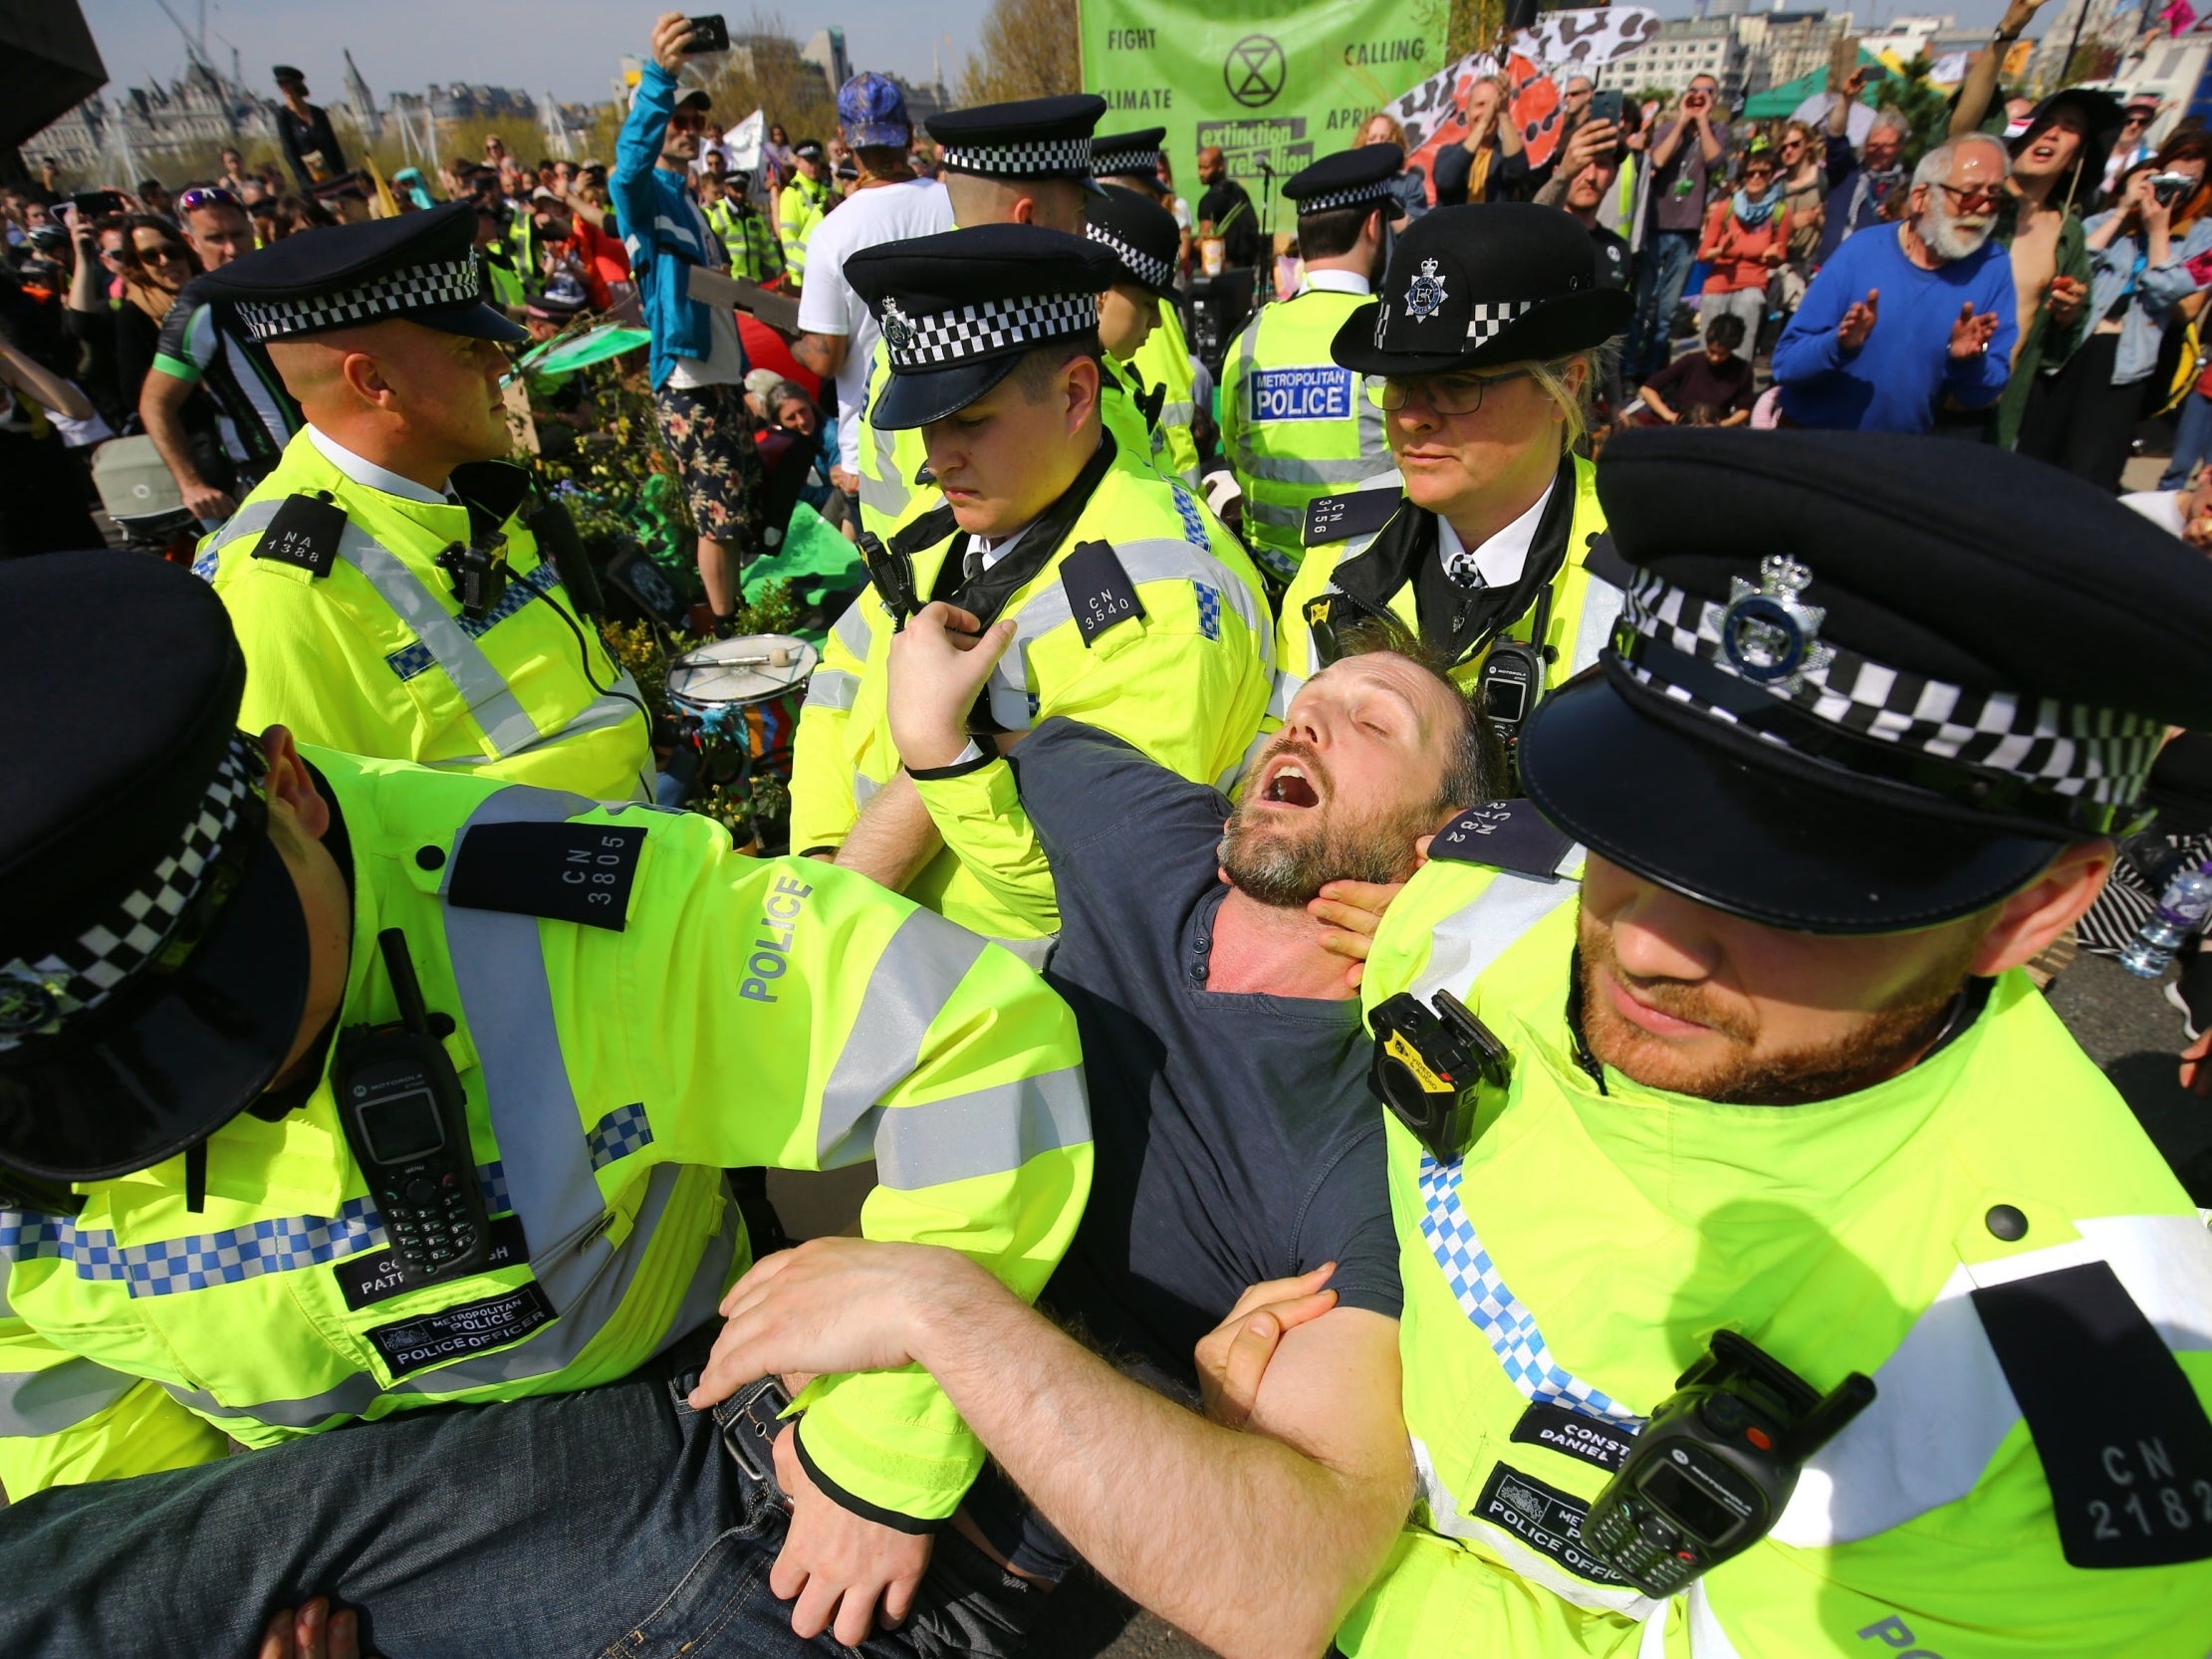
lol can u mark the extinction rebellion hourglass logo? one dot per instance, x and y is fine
(1254, 71)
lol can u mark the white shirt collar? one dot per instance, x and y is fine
(1503, 557)
(1337, 282)
(992, 551)
(369, 474)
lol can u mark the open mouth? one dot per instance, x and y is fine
(1287, 785)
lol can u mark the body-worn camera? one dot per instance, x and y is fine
(1712, 1472)
(1431, 1063)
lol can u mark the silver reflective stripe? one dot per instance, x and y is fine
(491, 704)
(864, 788)
(1942, 1406)
(832, 688)
(1374, 436)
(500, 969)
(1276, 518)
(1247, 346)
(1287, 685)
(1601, 603)
(58, 1397)
(1284, 469)
(992, 1131)
(1176, 414)
(853, 630)
(1034, 953)
(1468, 940)
(1164, 558)
(255, 515)
(597, 715)
(921, 966)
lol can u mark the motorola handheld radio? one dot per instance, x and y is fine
(406, 1123)
(1712, 1472)
(1512, 677)
(1430, 1065)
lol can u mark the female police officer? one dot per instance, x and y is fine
(1484, 335)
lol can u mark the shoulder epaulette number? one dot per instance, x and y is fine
(1099, 593)
(305, 535)
(567, 873)
(1339, 517)
(1511, 835)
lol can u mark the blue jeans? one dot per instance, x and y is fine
(610, 1521)
(2192, 440)
(1663, 267)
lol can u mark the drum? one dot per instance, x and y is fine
(745, 691)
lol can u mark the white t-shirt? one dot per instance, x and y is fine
(826, 303)
(724, 363)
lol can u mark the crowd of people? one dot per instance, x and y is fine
(1442, 986)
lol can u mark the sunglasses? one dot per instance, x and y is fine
(211, 196)
(1970, 197)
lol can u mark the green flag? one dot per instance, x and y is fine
(1265, 82)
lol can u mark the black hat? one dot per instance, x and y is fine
(286, 75)
(1141, 234)
(2102, 119)
(1863, 682)
(420, 267)
(1350, 179)
(1031, 138)
(154, 957)
(808, 149)
(959, 310)
(1473, 287)
(1135, 156)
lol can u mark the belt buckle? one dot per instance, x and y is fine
(750, 1420)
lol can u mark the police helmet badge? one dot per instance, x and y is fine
(28, 1005)
(1424, 295)
(1769, 635)
(898, 327)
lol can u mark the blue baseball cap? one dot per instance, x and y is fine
(871, 111)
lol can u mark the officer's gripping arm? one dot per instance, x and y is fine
(844, 1024)
(65, 1420)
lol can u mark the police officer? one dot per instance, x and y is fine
(1484, 339)
(1294, 424)
(1027, 162)
(333, 1089)
(387, 578)
(755, 254)
(801, 204)
(1134, 160)
(1125, 600)
(1141, 237)
(1777, 1072)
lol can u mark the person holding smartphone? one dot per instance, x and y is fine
(1684, 157)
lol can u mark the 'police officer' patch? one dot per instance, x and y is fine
(305, 535)
(1339, 517)
(1511, 835)
(568, 872)
(2123, 1440)
(1100, 592)
(456, 1333)
(1545, 1519)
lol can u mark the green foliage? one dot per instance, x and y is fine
(1925, 107)
(1029, 49)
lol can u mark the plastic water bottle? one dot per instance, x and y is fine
(2182, 908)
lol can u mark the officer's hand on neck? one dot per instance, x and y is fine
(298, 818)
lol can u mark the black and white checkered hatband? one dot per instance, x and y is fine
(154, 924)
(1117, 163)
(1356, 195)
(987, 328)
(1151, 272)
(1996, 752)
(426, 286)
(1487, 319)
(1038, 158)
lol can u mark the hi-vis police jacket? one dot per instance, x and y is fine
(1989, 1236)
(358, 641)
(719, 1010)
(1164, 360)
(1135, 612)
(1294, 425)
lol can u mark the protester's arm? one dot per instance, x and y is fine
(84, 295)
(41, 385)
(1808, 346)
(69, 1420)
(1292, 1515)
(893, 841)
(1712, 140)
(161, 411)
(1980, 85)
(1716, 224)
(1669, 140)
(629, 185)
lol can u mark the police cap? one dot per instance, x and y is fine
(420, 267)
(1473, 287)
(1864, 682)
(154, 957)
(1141, 234)
(1132, 159)
(1350, 179)
(1031, 138)
(960, 308)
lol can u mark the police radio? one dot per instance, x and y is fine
(1512, 677)
(1711, 1473)
(1430, 1066)
(406, 1123)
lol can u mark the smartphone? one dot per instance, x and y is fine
(1875, 72)
(1606, 105)
(93, 205)
(708, 34)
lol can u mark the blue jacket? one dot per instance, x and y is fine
(1894, 383)
(2123, 271)
(659, 225)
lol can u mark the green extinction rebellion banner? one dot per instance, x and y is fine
(1275, 82)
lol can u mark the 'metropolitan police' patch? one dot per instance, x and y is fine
(1308, 392)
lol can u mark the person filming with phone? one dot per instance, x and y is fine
(1686, 161)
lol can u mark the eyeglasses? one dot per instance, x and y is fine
(1444, 394)
(1973, 196)
(211, 196)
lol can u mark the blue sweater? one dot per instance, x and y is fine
(660, 228)
(1894, 381)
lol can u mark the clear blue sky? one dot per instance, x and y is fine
(571, 46)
